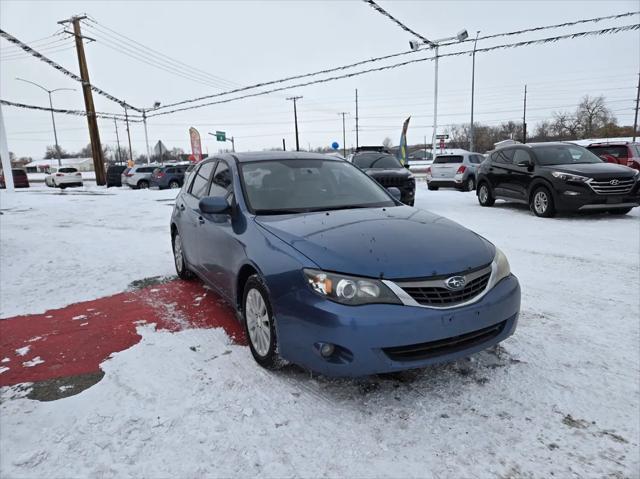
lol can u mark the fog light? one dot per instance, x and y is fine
(327, 349)
(571, 193)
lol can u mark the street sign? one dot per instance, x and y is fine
(335, 145)
(442, 137)
(221, 136)
(160, 149)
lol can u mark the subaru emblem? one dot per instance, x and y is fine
(455, 283)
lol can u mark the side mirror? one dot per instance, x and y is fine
(214, 205)
(395, 192)
(524, 163)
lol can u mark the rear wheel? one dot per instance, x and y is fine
(173, 184)
(179, 259)
(470, 185)
(259, 323)
(541, 203)
(485, 197)
(619, 211)
(143, 184)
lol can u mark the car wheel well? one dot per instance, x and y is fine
(537, 183)
(243, 275)
(174, 231)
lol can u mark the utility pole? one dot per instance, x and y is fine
(473, 90)
(94, 134)
(435, 107)
(635, 119)
(295, 117)
(5, 157)
(126, 119)
(146, 135)
(357, 142)
(524, 117)
(344, 134)
(119, 160)
(284, 145)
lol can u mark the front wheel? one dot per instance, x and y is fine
(259, 323)
(485, 198)
(619, 211)
(179, 259)
(173, 184)
(541, 203)
(143, 184)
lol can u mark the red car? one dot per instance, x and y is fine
(625, 153)
(20, 179)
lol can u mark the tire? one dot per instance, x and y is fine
(470, 184)
(619, 211)
(432, 188)
(259, 324)
(485, 197)
(179, 259)
(143, 184)
(411, 203)
(541, 203)
(173, 184)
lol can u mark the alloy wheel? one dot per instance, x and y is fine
(258, 322)
(471, 184)
(541, 202)
(177, 253)
(484, 194)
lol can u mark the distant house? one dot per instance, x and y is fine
(45, 165)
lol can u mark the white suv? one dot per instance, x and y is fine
(138, 176)
(63, 176)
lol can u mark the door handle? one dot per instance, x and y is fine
(200, 220)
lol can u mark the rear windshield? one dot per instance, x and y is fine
(67, 170)
(375, 160)
(448, 159)
(618, 152)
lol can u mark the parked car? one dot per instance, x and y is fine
(387, 170)
(20, 179)
(454, 170)
(170, 176)
(139, 176)
(114, 175)
(621, 152)
(552, 177)
(329, 271)
(63, 177)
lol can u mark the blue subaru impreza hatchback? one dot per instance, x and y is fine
(328, 270)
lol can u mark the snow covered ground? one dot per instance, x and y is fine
(561, 397)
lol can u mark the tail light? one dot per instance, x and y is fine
(78, 174)
(461, 170)
(159, 174)
(59, 174)
(428, 170)
(128, 174)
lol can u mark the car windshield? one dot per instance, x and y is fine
(296, 186)
(376, 160)
(564, 155)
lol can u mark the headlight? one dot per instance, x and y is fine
(350, 290)
(569, 177)
(500, 266)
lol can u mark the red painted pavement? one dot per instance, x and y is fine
(76, 339)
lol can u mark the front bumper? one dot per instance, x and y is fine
(367, 338)
(573, 197)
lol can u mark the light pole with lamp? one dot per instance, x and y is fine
(146, 132)
(473, 90)
(53, 120)
(435, 44)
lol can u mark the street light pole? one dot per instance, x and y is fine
(435, 107)
(146, 135)
(295, 118)
(344, 135)
(473, 90)
(53, 120)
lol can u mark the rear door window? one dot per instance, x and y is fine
(221, 183)
(521, 155)
(504, 156)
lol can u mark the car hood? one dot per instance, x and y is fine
(395, 243)
(595, 170)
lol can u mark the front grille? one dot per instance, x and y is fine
(433, 293)
(621, 186)
(432, 349)
(388, 181)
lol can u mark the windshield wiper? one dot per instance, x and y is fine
(278, 212)
(342, 207)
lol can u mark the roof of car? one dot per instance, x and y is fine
(278, 155)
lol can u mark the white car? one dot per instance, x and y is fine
(63, 176)
(138, 177)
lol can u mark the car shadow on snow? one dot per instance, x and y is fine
(575, 215)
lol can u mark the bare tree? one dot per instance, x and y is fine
(592, 115)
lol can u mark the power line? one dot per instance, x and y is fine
(382, 11)
(606, 31)
(109, 116)
(60, 68)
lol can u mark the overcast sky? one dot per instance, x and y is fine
(247, 42)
